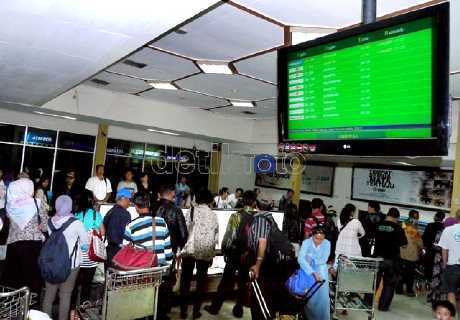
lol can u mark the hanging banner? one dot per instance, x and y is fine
(414, 188)
(316, 179)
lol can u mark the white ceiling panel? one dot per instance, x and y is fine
(455, 85)
(184, 98)
(119, 83)
(225, 33)
(269, 104)
(326, 13)
(229, 86)
(159, 66)
(388, 6)
(262, 66)
(48, 46)
(249, 113)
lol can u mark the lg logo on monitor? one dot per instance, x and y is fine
(346, 146)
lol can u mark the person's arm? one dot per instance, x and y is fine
(101, 228)
(168, 248)
(135, 188)
(216, 228)
(361, 231)
(127, 237)
(108, 189)
(182, 228)
(83, 235)
(445, 257)
(302, 258)
(261, 248)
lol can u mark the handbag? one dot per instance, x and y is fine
(132, 257)
(96, 251)
(189, 247)
(302, 285)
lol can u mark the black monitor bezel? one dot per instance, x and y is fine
(437, 145)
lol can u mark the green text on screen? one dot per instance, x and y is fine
(377, 85)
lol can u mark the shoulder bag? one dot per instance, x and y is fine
(132, 257)
(189, 247)
(97, 251)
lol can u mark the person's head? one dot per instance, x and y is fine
(123, 198)
(414, 215)
(23, 175)
(100, 170)
(44, 183)
(20, 191)
(317, 203)
(63, 205)
(142, 203)
(347, 214)
(318, 235)
(289, 194)
(144, 177)
(204, 196)
(250, 199)
(373, 207)
(439, 216)
(444, 310)
(257, 192)
(129, 175)
(183, 179)
(70, 177)
(168, 192)
(238, 192)
(393, 214)
(223, 192)
(83, 201)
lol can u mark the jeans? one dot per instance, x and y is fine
(389, 272)
(188, 265)
(65, 293)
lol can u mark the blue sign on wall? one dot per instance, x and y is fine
(264, 163)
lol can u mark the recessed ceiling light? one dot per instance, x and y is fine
(164, 132)
(55, 115)
(242, 104)
(180, 31)
(214, 67)
(163, 85)
(100, 82)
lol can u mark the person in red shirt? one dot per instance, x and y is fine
(317, 217)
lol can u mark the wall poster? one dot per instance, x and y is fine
(431, 188)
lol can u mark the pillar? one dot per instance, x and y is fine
(101, 145)
(296, 179)
(455, 202)
(214, 168)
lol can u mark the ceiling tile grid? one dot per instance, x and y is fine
(185, 98)
(118, 83)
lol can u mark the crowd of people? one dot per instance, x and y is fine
(32, 218)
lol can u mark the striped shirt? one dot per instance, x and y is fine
(312, 222)
(139, 232)
(260, 229)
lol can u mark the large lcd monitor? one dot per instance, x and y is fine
(375, 89)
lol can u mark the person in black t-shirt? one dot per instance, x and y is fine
(370, 219)
(389, 238)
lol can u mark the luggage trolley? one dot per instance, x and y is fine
(14, 304)
(128, 295)
(356, 285)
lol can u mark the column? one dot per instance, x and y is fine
(455, 202)
(214, 168)
(101, 144)
(296, 179)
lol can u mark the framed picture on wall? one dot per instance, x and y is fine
(421, 188)
(317, 178)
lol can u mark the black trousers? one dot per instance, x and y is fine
(269, 285)
(85, 280)
(22, 267)
(112, 250)
(389, 272)
(233, 273)
(188, 265)
(407, 276)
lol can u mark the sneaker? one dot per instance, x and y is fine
(238, 311)
(209, 309)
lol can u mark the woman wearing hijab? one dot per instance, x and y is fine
(74, 233)
(28, 219)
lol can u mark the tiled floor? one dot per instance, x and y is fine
(403, 308)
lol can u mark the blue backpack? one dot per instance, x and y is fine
(54, 261)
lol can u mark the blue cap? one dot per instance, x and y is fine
(124, 193)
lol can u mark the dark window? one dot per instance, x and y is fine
(115, 167)
(81, 162)
(10, 160)
(41, 137)
(125, 148)
(12, 133)
(76, 141)
(38, 161)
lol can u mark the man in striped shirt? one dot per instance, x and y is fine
(139, 231)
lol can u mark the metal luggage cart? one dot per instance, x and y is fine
(356, 285)
(128, 295)
(14, 303)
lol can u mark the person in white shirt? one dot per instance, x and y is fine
(128, 182)
(221, 200)
(235, 197)
(351, 230)
(99, 185)
(2, 191)
(450, 244)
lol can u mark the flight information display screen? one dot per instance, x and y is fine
(376, 85)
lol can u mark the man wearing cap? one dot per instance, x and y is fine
(115, 222)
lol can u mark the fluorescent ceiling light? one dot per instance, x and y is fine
(214, 67)
(404, 163)
(163, 85)
(242, 104)
(164, 132)
(55, 115)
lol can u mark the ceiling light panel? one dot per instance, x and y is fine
(159, 66)
(119, 83)
(213, 67)
(233, 87)
(184, 98)
(164, 132)
(261, 67)
(225, 33)
(55, 115)
(162, 85)
(242, 104)
(50, 46)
